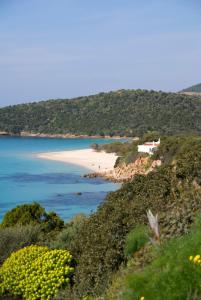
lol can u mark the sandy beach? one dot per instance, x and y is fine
(87, 158)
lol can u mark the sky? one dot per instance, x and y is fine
(53, 49)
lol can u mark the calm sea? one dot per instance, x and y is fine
(25, 178)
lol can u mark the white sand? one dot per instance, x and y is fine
(87, 158)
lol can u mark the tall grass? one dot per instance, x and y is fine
(171, 276)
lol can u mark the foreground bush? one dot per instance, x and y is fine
(66, 236)
(17, 237)
(36, 272)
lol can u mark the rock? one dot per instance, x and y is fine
(125, 173)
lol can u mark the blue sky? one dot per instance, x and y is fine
(67, 48)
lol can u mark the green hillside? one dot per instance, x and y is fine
(125, 112)
(115, 253)
(193, 89)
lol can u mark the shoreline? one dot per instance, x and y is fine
(63, 136)
(95, 162)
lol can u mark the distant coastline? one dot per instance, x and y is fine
(63, 136)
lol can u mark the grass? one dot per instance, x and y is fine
(171, 275)
(135, 240)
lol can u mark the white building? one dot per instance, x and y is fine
(149, 147)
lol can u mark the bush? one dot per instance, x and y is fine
(171, 275)
(14, 238)
(32, 214)
(188, 163)
(135, 240)
(64, 239)
(36, 272)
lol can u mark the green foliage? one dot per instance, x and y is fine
(150, 136)
(127, 151)
(65, 237)
(14, 238)
(32, 214)
(101, 238)
(186, 152)
(135, 240)
(170, 148)
(171, 275)
(52, 221)
(36, 272)
(124, 113)
(188, 162)
(99, 244)
(117, 147)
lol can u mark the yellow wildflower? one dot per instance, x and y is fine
(196, 258)
(35, 272)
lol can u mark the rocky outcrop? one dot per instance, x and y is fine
(3, 133)
(123, 173)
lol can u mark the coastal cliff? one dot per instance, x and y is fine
(125, 172)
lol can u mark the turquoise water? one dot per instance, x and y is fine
(25, 178)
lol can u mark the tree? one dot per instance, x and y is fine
(32, 214)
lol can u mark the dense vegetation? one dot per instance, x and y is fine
(127, 151)
(32, 214)
(195, 89)
(113, 255)
(36, 272)
(173, 274)
(125, 113)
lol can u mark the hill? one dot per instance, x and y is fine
(195, 89)
(124, 112)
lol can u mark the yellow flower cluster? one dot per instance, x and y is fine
(35, 272)
(142, 298)
(195, 259)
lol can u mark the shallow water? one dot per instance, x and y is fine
(24, 178)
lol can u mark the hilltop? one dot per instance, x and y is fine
(124, 112)
(193, 90)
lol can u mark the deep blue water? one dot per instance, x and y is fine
(25, 178)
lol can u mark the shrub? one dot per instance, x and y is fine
(35, 272)
(135, 240)
(95, 147)
(171, 275)
(23, 215)
(189, 162)
(14, 238)
(32, 214)
(150, 136)
(64, 239)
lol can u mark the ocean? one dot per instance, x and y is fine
(24, 178)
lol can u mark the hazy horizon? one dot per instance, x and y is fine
(71, 49)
